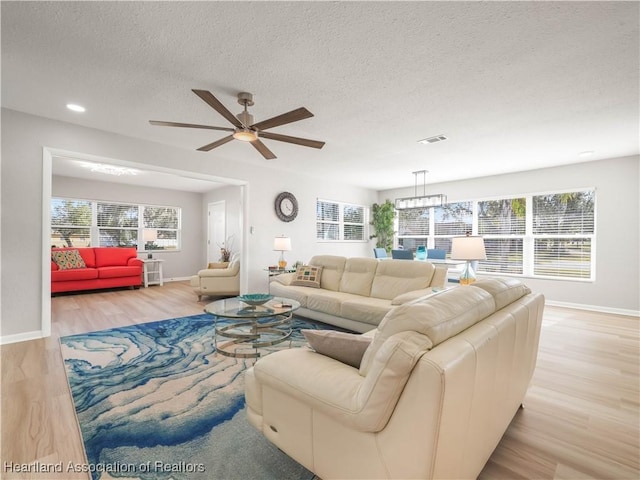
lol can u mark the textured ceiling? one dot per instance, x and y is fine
(514, 85)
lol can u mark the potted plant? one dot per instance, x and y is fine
(382, 220)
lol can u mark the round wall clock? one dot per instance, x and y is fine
(286, 206)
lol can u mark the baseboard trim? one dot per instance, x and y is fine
(21, 337)
(595, 308)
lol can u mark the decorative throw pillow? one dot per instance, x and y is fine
(67, 259)
(308, 276)
(345, 347)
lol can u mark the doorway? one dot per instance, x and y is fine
(48, 155)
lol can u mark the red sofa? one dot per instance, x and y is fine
(106, 267)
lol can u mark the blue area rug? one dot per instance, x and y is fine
(154, 401)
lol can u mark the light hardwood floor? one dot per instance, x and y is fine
(580, 421)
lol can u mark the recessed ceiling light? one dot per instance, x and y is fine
(586, 153)
(75, 108)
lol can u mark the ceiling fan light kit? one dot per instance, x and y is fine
(245, 129)
(245, 135)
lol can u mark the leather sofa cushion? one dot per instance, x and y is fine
(74, 274)
(327, 302)
(365, 309)
(337, 389)
(333, 266)
(113, 272)
(358, 276)
(438, 318)
(299, 294)
(114, 256)
(394, 277)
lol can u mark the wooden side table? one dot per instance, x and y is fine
(152, 272)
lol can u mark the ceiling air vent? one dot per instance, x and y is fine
(436, 139)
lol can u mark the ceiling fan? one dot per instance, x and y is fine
(243, 127)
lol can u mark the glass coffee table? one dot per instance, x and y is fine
(250, 326)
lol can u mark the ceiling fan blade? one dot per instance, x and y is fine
(214, 103)
(289, 117)
(189, 125)
(262, 148)
(215, 144)
(305, 142)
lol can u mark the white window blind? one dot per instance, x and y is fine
(563, 230)
(84, 223)
(117, 224)
(337, 221)
(550, 235)
(70, 223)
(502, 223)
(166, 222)
(413, 227)
(453, 219)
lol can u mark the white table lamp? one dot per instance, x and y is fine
(282, 244)
(468, 248)
(149, 235)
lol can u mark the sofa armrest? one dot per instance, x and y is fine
(413, 295)
(54, 266)
(217, 272)
(439, 276)
(284, 278)
(135, 262)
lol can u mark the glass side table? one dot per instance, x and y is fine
(250, 326)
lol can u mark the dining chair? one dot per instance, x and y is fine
(402, 254)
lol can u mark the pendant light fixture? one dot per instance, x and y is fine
(423, 200)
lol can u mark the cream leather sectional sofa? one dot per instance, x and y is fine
(435, 391)
(356, 293)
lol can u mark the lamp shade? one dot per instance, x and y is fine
(282, 244)
(468, 248)
(150, 235)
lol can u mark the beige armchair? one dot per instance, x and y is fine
(218, 281)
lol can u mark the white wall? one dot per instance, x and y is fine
(177, 264)
(616, 181)
(23, 139)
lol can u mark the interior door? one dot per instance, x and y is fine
(217, 230)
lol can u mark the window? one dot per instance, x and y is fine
(117, 225)
(165, 220)
(83, 223)
(502, 224)
(563, 231)
(451, 220)
(550, 235)
(70, 223)
(336, 221)
(413, 227)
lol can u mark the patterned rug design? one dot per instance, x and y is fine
(155, 402)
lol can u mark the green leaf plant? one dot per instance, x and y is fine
(382, 220)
